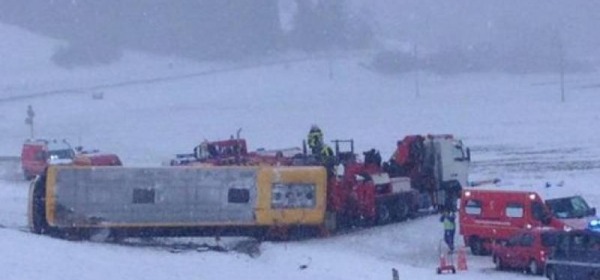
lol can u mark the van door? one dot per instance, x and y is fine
(525, 250)
(593, 254)
(560, 257)
(541, 216)
(513, 250)
(585, 255)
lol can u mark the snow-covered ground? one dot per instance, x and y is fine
(517, 128)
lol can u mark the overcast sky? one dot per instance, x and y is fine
(184, 25)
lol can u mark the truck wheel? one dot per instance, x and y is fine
(402, 211)
(476, 245)
(533, 268)
(595, 275)
(383, 214)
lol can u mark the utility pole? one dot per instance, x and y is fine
(562, 70)
(417, 69)
(29, 120)
(561, 63)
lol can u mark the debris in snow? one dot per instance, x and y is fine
(305, 266)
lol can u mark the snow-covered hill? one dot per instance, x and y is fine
(517, 127)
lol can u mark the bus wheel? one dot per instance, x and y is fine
(37, 206)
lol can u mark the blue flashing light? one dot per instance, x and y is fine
(594, 225)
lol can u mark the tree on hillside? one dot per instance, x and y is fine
(326, 24)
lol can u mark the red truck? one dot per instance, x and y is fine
(363, 193)
(37, 154)
(96, 158)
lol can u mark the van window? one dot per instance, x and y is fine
(569, 207)
(527, 240)
(40, 155)
(579, 242)
(514, 241)
(473, 207)
(514, 210)
(594, 243)
(62, 154)
(549, 239)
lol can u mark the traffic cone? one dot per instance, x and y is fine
(442, 266)
(443, 262)
(461, 262)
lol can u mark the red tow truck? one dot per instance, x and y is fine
(365, 191)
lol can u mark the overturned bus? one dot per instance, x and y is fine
(176, 201)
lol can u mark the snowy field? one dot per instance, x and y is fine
(517, 128)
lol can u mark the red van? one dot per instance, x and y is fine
(37, 154)
(527, 250)
(490, 216)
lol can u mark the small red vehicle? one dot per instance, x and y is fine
(96, 158)
(234, 152)
(528, 249)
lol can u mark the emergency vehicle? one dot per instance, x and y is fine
(527, 250)
(490, 216)
(577, 254)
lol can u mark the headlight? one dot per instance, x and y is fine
(293, 196)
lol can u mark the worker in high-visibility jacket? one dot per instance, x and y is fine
(328, 159)
(315, 140)
(448, 218)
